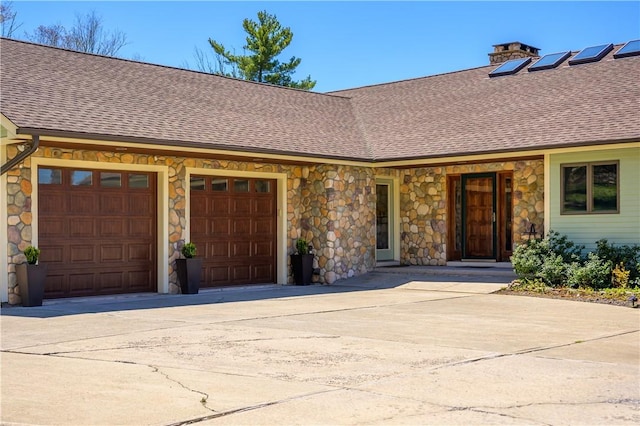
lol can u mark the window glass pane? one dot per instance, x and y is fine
(457, 196)
(81, 178)
(605, 187)
(221, 185)
(508, 200)
(110, 180)
(575, 189)
(49, 176)
(138, 181)
(240, 185)
(197, 183)
(382, 217)
(263, 186)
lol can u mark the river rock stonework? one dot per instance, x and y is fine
(336, 207)
(423, 205)
(332, 206)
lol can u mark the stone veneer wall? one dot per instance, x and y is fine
(332, 206)
(423, 204)
(337, 210)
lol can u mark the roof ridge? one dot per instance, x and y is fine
(408, 79)
(169, 67)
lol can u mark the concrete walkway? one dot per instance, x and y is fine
(400, 346)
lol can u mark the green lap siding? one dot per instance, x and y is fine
(618, 228)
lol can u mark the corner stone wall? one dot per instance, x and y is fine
(423, 206)
(337, 210)
(332, 206)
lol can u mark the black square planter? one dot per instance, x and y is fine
(302, 265)
(189, 272)
(31, 281)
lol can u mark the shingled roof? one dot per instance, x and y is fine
(467, 112)
(50, 89)
(461, 113)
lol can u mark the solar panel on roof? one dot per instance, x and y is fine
(631, 48)
(591, 54)
(510, 67)
(549, 61)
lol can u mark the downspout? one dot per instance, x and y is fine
(35, 142)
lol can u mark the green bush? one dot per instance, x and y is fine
(560, 245)
(629, 256)
(557, 261)
(189, 250)
(594, 273)
(302, 246)
(32, 254)
(547, 259)
(554, 270)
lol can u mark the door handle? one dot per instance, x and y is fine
(493, 217)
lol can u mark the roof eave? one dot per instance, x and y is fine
(181, 144)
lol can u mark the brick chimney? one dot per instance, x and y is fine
(507, 51)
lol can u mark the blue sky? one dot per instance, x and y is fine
(345, 44)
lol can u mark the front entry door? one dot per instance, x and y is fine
(384, 220)
(479, 216)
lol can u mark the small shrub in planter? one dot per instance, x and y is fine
(31, 278)
(189, 269)
(189, 250)
(302, 263)
(32, 254)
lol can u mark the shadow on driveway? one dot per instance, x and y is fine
(377, 280)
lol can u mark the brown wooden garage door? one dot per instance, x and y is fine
(233, 224)
(97, 231)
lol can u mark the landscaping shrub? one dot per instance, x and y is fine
(547, 259)
(594, 273)
(629, 256)
(620, 276)
(557, 261)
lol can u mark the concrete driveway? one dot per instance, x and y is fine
(385, 348)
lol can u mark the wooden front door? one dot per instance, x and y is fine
(479, 216)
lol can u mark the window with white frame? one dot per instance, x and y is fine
(590, 188)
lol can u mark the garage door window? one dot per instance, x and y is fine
(263, 186)
(110, 180)
(219, 185)
(197, 184)
(138, 181)
(49, 176)
(240, 185)
(81, 178)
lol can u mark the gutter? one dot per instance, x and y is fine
(35, 142)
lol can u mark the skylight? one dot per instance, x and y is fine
(510, 67)
(591, 54)
(632, 48)
(549, 61)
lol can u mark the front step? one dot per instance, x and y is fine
(501, 269)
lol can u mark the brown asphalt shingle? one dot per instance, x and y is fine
(467, 112)
(54, 89)
(459, 113)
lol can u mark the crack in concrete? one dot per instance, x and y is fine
(205, 396)
(247, 408)
(96, 337)
(530, 350)
(493, 413)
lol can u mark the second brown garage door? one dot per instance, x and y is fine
(233, 224)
